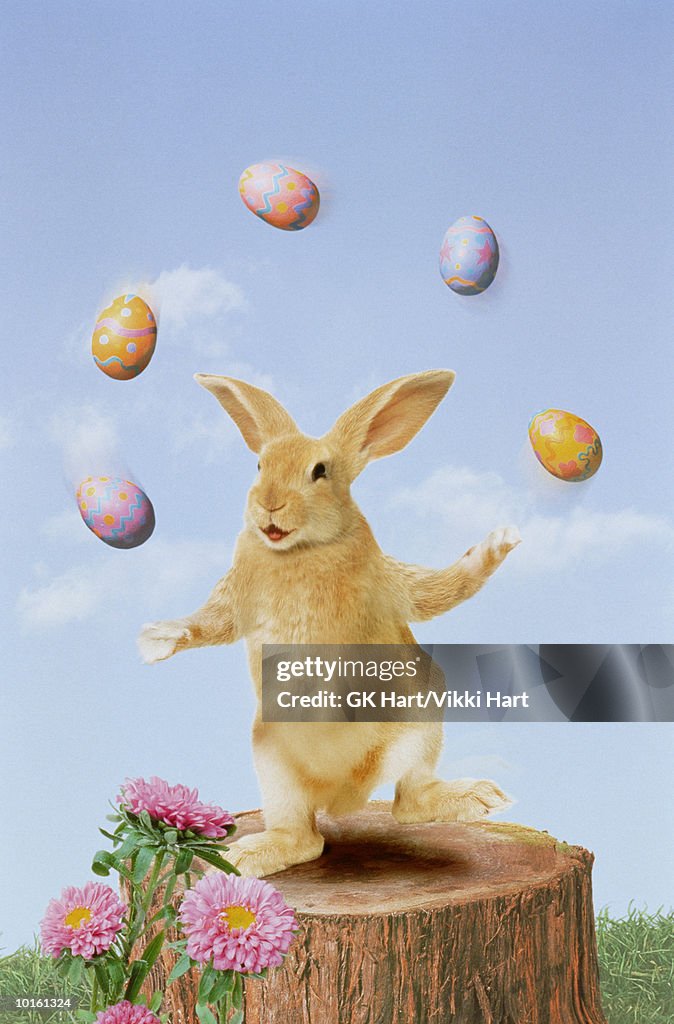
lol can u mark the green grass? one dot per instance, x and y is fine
(26, 973)
(636, 956)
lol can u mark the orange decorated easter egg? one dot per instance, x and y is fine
(124, 338)
(566, 445)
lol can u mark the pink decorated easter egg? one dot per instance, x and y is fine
(281, 196)
(116, 510)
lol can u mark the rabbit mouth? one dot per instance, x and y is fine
(275, 533)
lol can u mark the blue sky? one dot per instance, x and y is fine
(128, 129)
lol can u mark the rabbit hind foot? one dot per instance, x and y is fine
(460, 800)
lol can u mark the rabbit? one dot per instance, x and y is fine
(308, 570)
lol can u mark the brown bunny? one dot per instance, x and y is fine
(308, 570)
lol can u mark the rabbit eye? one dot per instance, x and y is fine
(259, 466)
(318, 471)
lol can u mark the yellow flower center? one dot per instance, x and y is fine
(237, 917)
(77, 916)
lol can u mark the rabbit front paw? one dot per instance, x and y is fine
(487, 556)
(160, 640)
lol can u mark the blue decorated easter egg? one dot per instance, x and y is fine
(469, 256)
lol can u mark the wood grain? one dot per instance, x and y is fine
(480, 923)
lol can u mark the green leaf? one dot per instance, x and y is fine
(155, 1003)
(146, 820)
(182, 967)
(208, 980)
(170, 915)
(171, 836)
(117, 978)
(224, 985)
(108, 835)
(139, 972)
(75, 971)
(205, 1015)
(236, 1017)
(102, 977)
(144, 840)
(168, 891)
(218, 862)
(141, 864)
(153, 949)
(237, 991)
(100, 865)
(88, 1016)
(183, 861)
(112, 817)
(127, 847)
(63, 965)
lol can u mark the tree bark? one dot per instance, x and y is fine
(479, 923)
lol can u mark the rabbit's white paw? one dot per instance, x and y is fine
(487, 556)
(159, 640)
(502, 541)
(266, 853)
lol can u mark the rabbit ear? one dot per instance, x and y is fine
(256, 413)
(388, 418)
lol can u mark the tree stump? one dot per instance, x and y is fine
(478, 923)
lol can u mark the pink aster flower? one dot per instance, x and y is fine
(85, 921)
(243, 924)
(127, 1013)
(177, 806)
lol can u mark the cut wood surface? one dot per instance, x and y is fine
(479, 923)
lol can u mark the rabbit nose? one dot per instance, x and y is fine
(276, 508)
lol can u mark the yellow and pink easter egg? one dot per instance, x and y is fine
(566, 445)
(280, 195)
(118, 511)
(469, 256)
(124, 337)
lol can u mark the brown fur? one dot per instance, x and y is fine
(326, 581)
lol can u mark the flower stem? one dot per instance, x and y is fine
(152, 884)
(94, 994)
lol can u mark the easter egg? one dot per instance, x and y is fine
(565, 445)
(116, 510)
(469, 256)
(124, 338)
(283, 197)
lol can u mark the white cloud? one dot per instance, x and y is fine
(211, 436)
(459, 499)
(554, 542)
(182, 296)
(88, 437)
(189, 304)
(161, 573)
(70, 597)
(65, 527)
